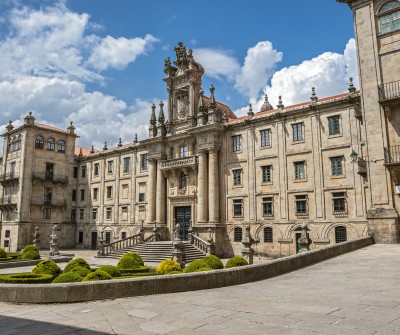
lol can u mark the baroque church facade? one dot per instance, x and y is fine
(332, 162)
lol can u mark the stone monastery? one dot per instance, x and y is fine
(333, 162)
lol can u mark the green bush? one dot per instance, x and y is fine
(26, 278)
(98, 275)
(7, 259)
(135, 275)
(175, 273)
(3, 253)
(140, 269)
(69, 277)
(195, 265)
(14, 255)
(47, 267)
(76, 262)
(137, 258)
(236, 261)
(203, 269)
(80, 270)
(29, 247)
(213, 262)
(111, 270)
(128, 261)
(167, 266)
(30, 255)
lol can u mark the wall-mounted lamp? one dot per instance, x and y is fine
(353, 156)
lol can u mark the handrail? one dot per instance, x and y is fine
(106, 249)
(201, 244)
(389, 91)
(9, 176)
(178, 162)
(151, 238)
(51, 177)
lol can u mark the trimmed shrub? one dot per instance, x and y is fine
(140, 269)
(3, 253)
(167, 266)
(14, 255)
(136, 275)
(195, 265)
(236, 261)
(128, 261)
(47, 267)
(111, 270)
(29, 247)
(137, 258)
(213, 262)
(26, 278)
(203, 269)
(76, 262)
(98, 275)
(30, 255)
(7, 259)
(80, 270)
(69, 277)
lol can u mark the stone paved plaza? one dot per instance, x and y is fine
(357, 293)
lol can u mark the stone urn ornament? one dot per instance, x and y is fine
(54, 246)
(304, 239)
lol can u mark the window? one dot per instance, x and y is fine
(75, 173)
(7, 234)
(8, 215)
(123, 235)
(236, 145)
(265, 138)
(50, 144)
(238, 207)
(46, 213)
(109, 166)
(141, 197)
(6, 243)
(96, 169)
(237, 234)
(266, 174)
(339, 202)
(183, 152)
(80, 236)
(301, 205)
(73, 214)
(267, 206)
(299, 171)
(73, 195)
(108, 213)
(124, 209)
(82, 195)
(297, 131)
(268, 235)
(389, 19)
(83, 172)
(340, 234)
(47, 194)
(127, 164)
(143, 162)
(237, 177)
(81, 213)
(108, 237)
(61, 146)
(12, 169)
(39, 142)
(49, 174)
(334, 125)
(94, 213)
(337, 166)
(109, 192)
(95, 193)
(182, 182)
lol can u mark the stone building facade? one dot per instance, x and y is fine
(331, 162)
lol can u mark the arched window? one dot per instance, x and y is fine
(268, 235)
(237, 234)
(389, 17)
(340, 234)
(61, 146)
(50, 144)
(39, 142)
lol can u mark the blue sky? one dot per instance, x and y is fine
(99, 63)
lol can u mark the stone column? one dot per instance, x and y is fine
(213, 186)
(160, 197)
(202, 192)
(151, 191)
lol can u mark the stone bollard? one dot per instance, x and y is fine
(248, 241)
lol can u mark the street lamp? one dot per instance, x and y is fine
(353, 156)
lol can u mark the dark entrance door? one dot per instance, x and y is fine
(93, 243)
(183, 215)
(298, 246)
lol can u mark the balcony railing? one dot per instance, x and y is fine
(178, 163)
(392, 154)
(389, 91)
(50, 177)
(49, 202)
(8, 176)
(9, 200)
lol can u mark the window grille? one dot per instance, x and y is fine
(301, 205)
(108, 237)
(268, 235)
(266, 174)
(339, 203)
(238, 207)
(237, 234)
(267, 206)
(237, 177)
(340, 234)
(46, 213)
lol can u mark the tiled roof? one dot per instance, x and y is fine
(45, 126)
(223, 107)
(85, 151)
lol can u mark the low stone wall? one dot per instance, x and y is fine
(9, 265)
(110, 289)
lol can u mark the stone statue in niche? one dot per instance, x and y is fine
(182, 105)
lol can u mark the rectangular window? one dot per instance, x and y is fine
(108, 213)
(265, 137)
(94, 213)
(127, 164)
(141, 197)
(299, 171)
(75, 172)
(73, 214)
(96, 169)
(108, 237)
(337, 166)
(73, 195)
(7, 234)
(334, 125)
(301, 205)
(109, 192)
(95, 193)
(297, 131)
(123, 235)
(8, 215)
(46, 213)
(6, 243)
(83, 172)
(80, 236)
(81, 213)
(237, 177)
(49, 171)
(237, 207)
(339, 203)
(183, 151)
(82, 195)
(266, 174)
(143, 162)
(236, 145)
(237, 234)
(267, 206)
(268, 235)
(48, 194)
(12, 169)
(109, 166)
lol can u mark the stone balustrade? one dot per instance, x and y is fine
(178, 163)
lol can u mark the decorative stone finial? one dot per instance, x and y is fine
(120, 142)
(136, 139)
(250, 112)
(212, 103)
(313, 97)
(266, 106)
(29, 119)
(92, 149)
(280, 105)
(161, 117)
(105, 146)
(9, 126)
(80, 152)
(351, 88)
(71, 128)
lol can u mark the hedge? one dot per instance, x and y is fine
(112, 270)
(3, 253)
(195, 265)
(167, 266)
(140, 269)
(26, 278)
(79, 270)
(47, 267)
(98, 275)
(128, 261)
(76, 262)
(213, 262)
(29, 247)
(30, 255)
(69, 277)
(236, 261)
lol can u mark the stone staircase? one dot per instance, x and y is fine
(156, 252)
